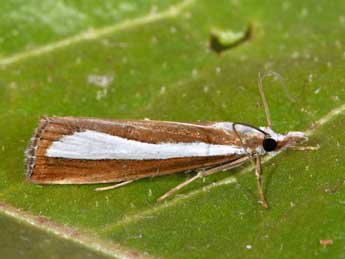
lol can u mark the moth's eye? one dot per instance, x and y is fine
(269, 144)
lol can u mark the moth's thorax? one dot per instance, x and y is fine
(247, 137)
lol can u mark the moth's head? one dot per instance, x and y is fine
(275, 142)
(264, 140)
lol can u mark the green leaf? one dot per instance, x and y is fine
(152, 59)
(23, 241)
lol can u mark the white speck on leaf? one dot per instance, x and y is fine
(101, 94)
(248, 247)
(310, 78)
(335, 98)
(295, 55)
(101, 81)
(316, 91)
(162, 90)
(13, 85)
(194, 72)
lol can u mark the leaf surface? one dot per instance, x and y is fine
(152, 60)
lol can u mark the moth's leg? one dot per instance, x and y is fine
(201, 174)
(304, 148)
(113, 186)
(180, 186)
(258, 174)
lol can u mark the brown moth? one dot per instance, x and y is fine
(70, 150)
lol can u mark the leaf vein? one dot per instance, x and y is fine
(93, 34)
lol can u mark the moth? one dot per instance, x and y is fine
(71, 150)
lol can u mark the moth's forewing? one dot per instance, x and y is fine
(43, 169)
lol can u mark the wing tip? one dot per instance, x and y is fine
(30, 152)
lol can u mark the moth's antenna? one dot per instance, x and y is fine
(238, 135)
(262, 94)
(249, 126)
